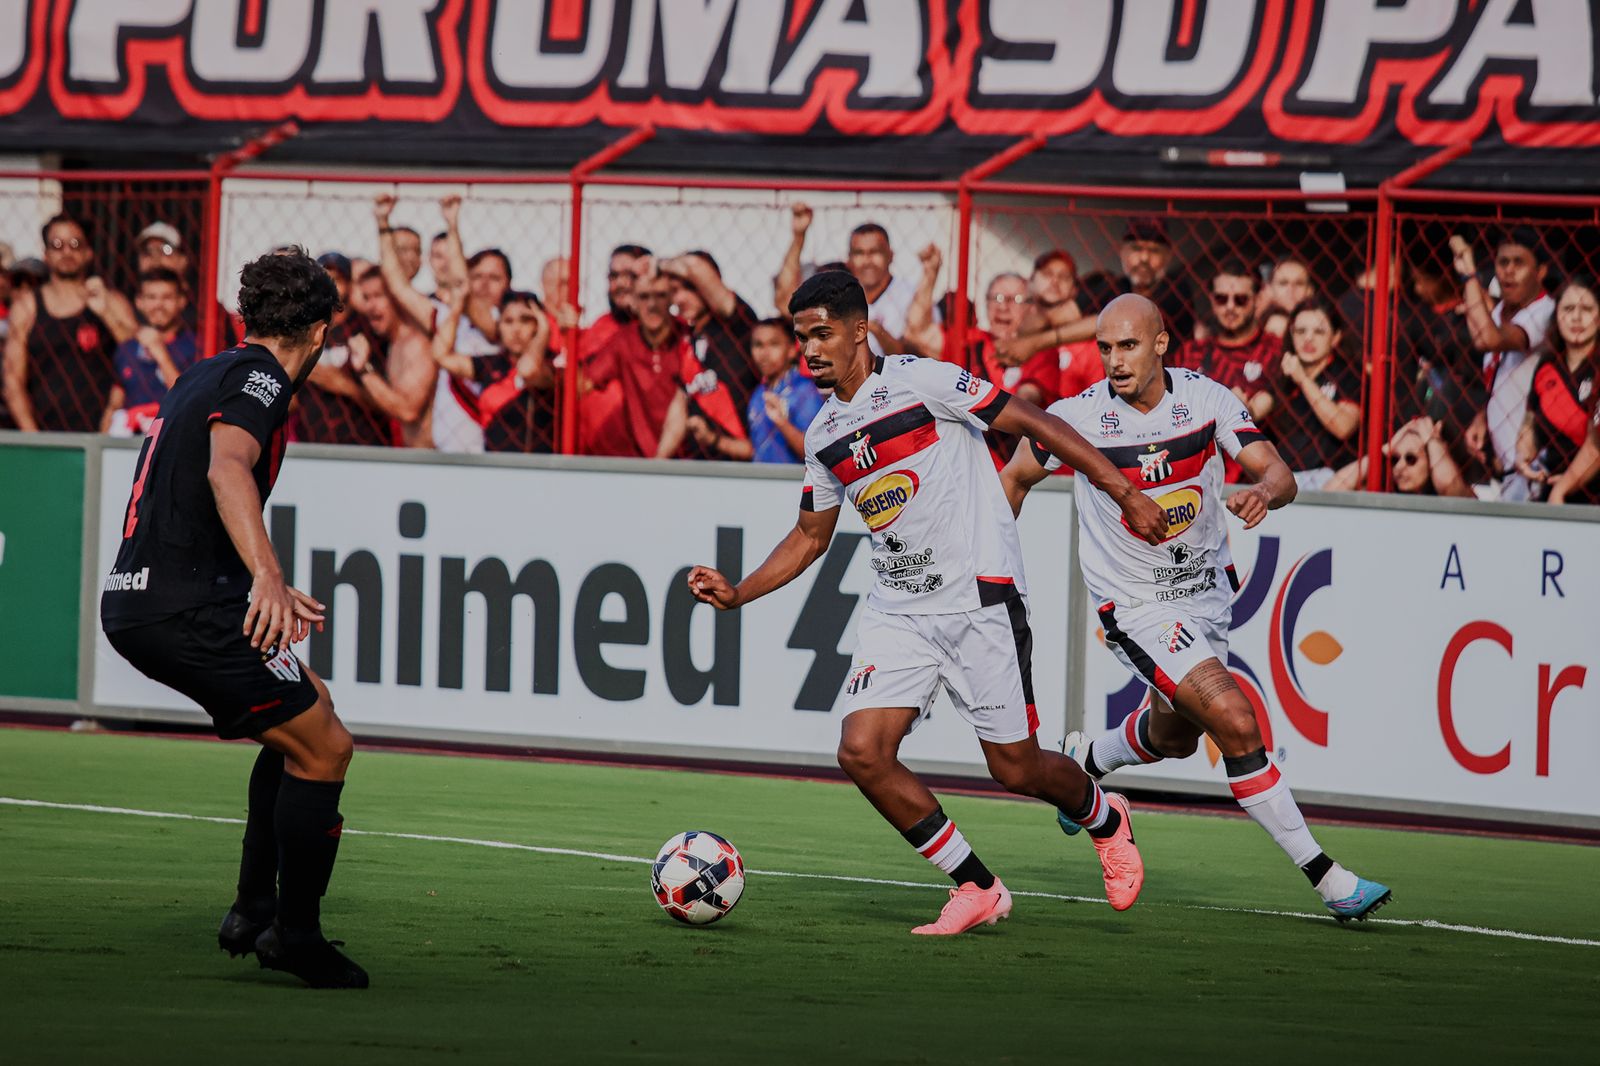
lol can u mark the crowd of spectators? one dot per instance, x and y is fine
(1495, 377)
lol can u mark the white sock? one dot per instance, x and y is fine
(1126, 745)
(1265, 796)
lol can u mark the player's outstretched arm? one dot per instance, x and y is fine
(277, 613)
(794, 554)
(1022, 473)
(1023, 419)
(1274, 485)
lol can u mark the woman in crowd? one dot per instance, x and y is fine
(1562, 398)
(1421, 464)
(1315, 409)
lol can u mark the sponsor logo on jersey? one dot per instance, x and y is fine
(1180, 415)
(881, 502)
(1251, 371)
(1110, 424)
(831, 423)
(893, 542)
(1207, 582)
(861, 453)
(1185, 565)
(1153, 467)
(906, 564)
(931, 583)
(1175, 637)
(262, 386)
(130, 581)
(860, 679)
(967, 383)
(1183, 506)
(880, 397)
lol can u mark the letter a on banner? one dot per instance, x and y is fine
(1452, 569)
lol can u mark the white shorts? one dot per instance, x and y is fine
(1160, 643)
(984, 659)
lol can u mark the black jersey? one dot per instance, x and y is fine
(176, 554)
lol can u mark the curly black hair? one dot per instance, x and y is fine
(283, 294)
(836, 291)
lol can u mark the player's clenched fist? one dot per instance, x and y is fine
(709, 586)
(1146, 517)
(1250, 504)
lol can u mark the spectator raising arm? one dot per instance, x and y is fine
(411, 303)
(788, 278)
(720, 300)
(923, 334)
(112, 308)
(1486, 335)
(444, 337)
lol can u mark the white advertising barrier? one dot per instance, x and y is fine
(527, 603)
(1408, 660)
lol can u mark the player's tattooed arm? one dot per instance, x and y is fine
(1274, 485)
(810, 537)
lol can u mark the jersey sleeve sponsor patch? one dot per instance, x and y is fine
(255, 399)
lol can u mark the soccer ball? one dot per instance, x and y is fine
(697, 877)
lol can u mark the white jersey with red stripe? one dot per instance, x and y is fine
(1171, 452)
(456, 426)
(908, 453)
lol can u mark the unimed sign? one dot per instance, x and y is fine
(552, 605)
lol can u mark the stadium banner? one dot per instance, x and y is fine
(544, 603)
(501, 74)
(1407, 659)
(41, 554)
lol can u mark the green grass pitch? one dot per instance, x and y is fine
(480, 954)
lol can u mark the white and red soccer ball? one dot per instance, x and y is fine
(697, 877)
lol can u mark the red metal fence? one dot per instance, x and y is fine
(1413, 385)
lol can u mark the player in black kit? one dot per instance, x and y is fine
(197, 601)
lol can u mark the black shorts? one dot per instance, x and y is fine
(204, 654)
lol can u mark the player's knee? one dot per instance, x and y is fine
(1020, 777)
(860, 760)
(1235, 730)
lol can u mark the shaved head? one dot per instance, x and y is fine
(1132, 339)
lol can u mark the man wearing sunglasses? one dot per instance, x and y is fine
(58, 365)
(1236, 351)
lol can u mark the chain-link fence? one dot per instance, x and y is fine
(1491, 390)
(1272, 301)
(1478, 389)
(73, 248)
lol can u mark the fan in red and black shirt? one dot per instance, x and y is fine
(516, 404)
(1563, 398)
(1314, 411)
(1236, 351)
(722, 377)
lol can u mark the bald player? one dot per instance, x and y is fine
(1165, 607)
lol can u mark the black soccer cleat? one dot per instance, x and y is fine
(238, 933)
(317, 962)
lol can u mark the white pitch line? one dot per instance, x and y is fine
(506, 845)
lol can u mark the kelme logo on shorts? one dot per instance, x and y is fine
(881, 502)
(1182, 507)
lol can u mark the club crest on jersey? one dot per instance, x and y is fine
(881, 502)
(262, 386)
(1175, 637)
(1251, 371)
(1110, 424)
(1154, 467)
(861, 453)
(880, 397)
(1180, 415)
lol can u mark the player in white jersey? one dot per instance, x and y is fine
(901, 440)
(1165, 607)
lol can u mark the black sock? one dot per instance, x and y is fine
(1113, 820)
(258, 866)
(931, 829)
(1317, 868)
(308, 824)
(1089, 765)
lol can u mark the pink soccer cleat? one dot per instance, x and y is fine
(969, 906)
(1120, 861)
